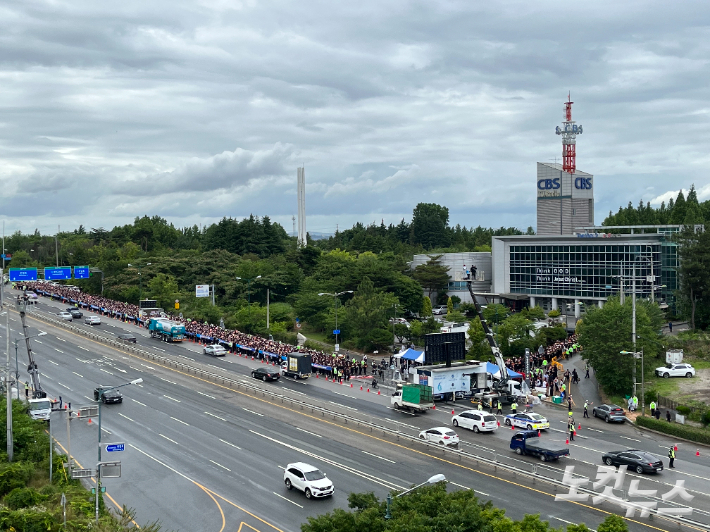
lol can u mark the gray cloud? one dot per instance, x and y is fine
(195, 110)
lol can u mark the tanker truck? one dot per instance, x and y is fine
(166, 330)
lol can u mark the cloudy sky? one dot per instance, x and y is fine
(195, 110)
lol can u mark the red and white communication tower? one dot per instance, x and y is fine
(569, 132)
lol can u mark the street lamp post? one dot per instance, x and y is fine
(248, 292)
(335, 302)
(17, 368)
(431, 480)
(638, 355)
(140, 281)
(394, 323)
(98, 469)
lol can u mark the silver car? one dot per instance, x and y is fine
(215, 350)
(92, 320)
(65, 315)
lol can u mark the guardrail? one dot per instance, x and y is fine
(532, 470)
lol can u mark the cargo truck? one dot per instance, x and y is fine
(297, 365)
(524, 442)
(166, 330)
(413, 397)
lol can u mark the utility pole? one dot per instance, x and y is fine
(56, 245)
(633, 323)
(8, 386)
(267, 310)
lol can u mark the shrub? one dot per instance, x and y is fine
(683, 410)
(285, 336)
(14, 475)
(650, 396)
(554, 313)
(674, 429)
(23, 498)
(705, 418)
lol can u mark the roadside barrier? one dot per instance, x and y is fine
(537, 472)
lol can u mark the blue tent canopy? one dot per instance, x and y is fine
(411, 354)
(493, 369)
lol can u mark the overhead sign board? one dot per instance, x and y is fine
(58, 273)
(115, 447)
(81, 272)
(82, 473)
(110, 469)
(23, 274)
(202, 290)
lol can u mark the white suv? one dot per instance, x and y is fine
(215, 350)
(676, 370)
(309, 479)
(475, 421)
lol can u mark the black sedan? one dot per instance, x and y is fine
(639, 461)
(266, 374)
(75, 312)
(609, 413)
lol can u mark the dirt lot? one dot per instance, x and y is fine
(698, 388)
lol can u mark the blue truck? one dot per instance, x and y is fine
(521, 443)
(166, 330)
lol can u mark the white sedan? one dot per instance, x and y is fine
(92, 320)
(440, 435)
(676, 370)
(215, 350)
(475, 421)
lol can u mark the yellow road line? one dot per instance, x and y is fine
(372, 437)
(215, 501)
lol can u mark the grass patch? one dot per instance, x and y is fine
(674, 429)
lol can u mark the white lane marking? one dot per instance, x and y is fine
(107, 371)
(220, 465)
(595, 430)
(52, 362)
(84, 348)
(146, 366)
(39, 342)
(89, 398)
(67, 387)
(206, 395)
(137, 401)
(179, 421)
(459, 485)
(252, 412)
(344, 395)
(166, 380)
(122, 415)
(59, 350)
(342, 406)
(106, 431)
(289, 500)
(372, 478)
(121, 370)
(164, 436)
(62, 339)
(228, 443)
(309, 432)
(136, 369)
(77, 374)
(160, 349)
(214, 415)
(632, 439)
(172, 398)
(380, 457)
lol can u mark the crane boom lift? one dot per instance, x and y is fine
(38, 392)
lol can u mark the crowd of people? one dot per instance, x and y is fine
(339, 366)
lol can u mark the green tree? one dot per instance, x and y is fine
(514, 327)
(605, 332)
(164, 289)
(480, 348)
(366, 316)
(449, 306)
(426, 307)
(495, 313)
(694, 272)
(433, 276)
(430, 224)
(613, 523)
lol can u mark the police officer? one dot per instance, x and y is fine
(586, 404)
(27, 390)
(500, 408)
(480, 405)
(514, 407)
(653, 408)
(671, 457)
(571, 428)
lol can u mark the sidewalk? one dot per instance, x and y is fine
(587, 389)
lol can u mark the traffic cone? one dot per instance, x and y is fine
(575, 432)
(675, 447)
(697, 453)
(538, 433)
(579, 427)
(433, 407)
(89, 421)
(452, 412)
(317, 375)
(361, 387)
(512, 427)
(567, 441)
(368, 390)
(262, 360)
(351, 384)
(498, 422)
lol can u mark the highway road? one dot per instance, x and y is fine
(198, 453)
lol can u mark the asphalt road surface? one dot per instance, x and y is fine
(200, 456)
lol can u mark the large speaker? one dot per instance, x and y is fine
(441, 347)
(148, 303)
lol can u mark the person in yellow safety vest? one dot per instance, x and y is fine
(586, 404)
(671, 457)
(27, 390)
(500, 408)
(653, 408)
(480, 406)
(514, 407)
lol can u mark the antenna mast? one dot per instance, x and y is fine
(569, 132)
